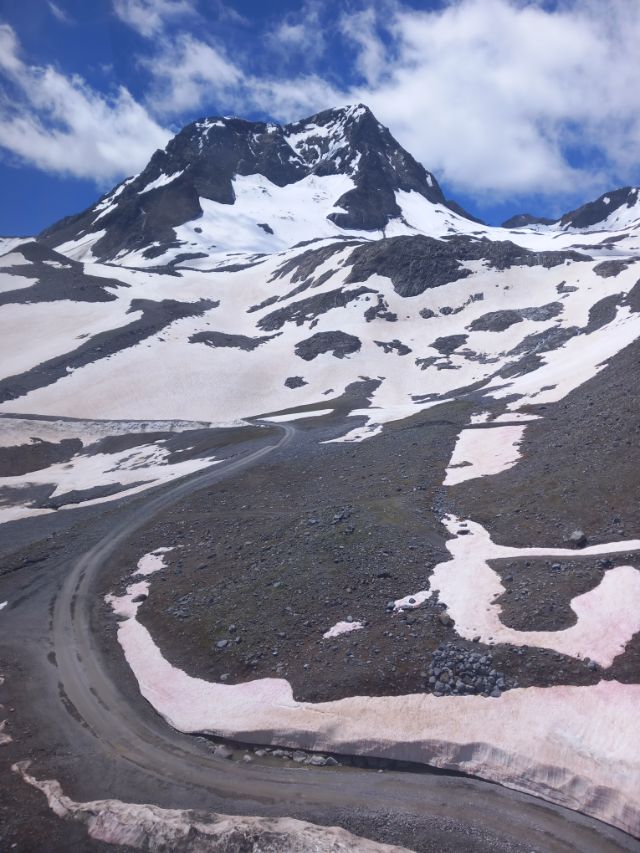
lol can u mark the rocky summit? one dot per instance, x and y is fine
(302, 466)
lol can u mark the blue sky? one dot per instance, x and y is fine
(514, 105)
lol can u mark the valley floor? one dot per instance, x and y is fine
(263, 562)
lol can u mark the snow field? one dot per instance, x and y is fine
(468, 586)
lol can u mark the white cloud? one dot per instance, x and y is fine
(61, 125)
(149, 17)
(361, 28)
(300, 35)
(292, 99)
(59, 13)
(228, 13)
(493, 94)
(188, 72)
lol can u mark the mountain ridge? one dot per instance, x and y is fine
(203, 159)
(338, 172)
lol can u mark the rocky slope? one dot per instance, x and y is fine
(472, 532)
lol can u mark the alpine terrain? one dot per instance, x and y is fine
(306, 474)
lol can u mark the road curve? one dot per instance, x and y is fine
(146, 741)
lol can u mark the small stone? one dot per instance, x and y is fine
(222, 644)
(578, 539)
(445, 619)
(222, 751)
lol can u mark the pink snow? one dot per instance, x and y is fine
(607, 617)
(342, 628)
(576, 746)
(153, 562)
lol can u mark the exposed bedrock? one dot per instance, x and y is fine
(416, 264)
(310, 308)
(338, 344)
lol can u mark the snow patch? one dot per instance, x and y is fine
(607, 616)
(342, 628)
(483, 452)
(161, 181)
(295, 416)
(575, 746)
(153, 562)
(152, 828)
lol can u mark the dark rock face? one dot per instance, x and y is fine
(295, 382)
(609, 269)
(202, 160)
(495, 321)
(57, 278)
(498, 321)
(603, 312)
(78, 496)
(224, 339)
(16, 461)
(394, 346)
(378, 165)
(419, 263)
(542, 313)
(449, 343)
(338, 344)
(302, 267)
(380, 311)
(310, 308)
(521, 220)
(597, 211)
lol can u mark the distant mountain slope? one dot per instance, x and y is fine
(339, 170)
(521, 220)
(617, 209)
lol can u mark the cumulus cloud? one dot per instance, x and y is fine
(499, 98)
(61, 125)
(300, 36)
(361, 28)
(496, 96)
(149, 17)
(188, 72)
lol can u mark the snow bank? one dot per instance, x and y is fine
(149, 827)
(342, 628)
(607, 616)
(482, 452)
(575, 746)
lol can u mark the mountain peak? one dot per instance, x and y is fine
(618, 208)
(363, 171)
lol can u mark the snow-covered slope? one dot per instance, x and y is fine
(253, 270)
(236, 183)
(295, 260)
